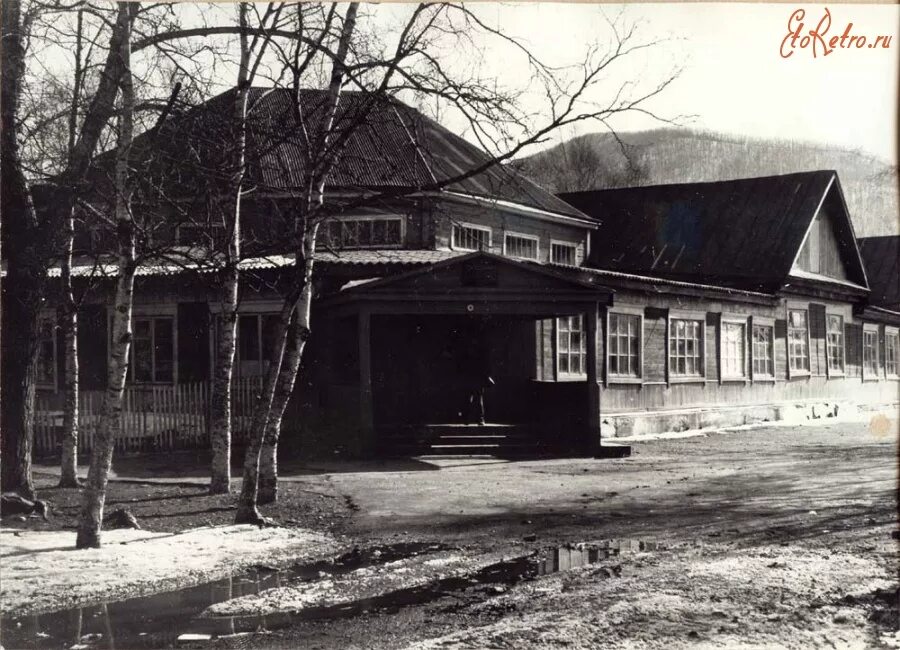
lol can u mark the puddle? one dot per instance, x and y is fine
(158, 621)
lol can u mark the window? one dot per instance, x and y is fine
(734, 350)
(365, 232)
(570, 346)
(798, 340)
(255, 343)
(46, 362)
(891, 346)
(835, 344)
(524, 246)
(685, 353)
(561, 253)
(623, 347)
(870, 353)
(153, 350)
(471, 238)
(190, 234)
(763, 363)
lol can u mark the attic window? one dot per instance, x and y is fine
(521, 246)
(469, 237)
(562, 253)
(366, 232)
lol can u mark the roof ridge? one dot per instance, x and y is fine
(812, 172)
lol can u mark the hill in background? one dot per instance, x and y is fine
(598, 161)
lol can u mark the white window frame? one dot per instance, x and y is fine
(700, 317)
(768, 323)
(344, 218)
(567, 244)
(791, 372)
(631, 312)
(131, 362)
(828, 370)
(569, 375)
(892, 332)
(245, 308)
(49, 317)
(145, 311)
(474, 226)
(866, 374)
(743, 321)
(262, 361)
(537, 245)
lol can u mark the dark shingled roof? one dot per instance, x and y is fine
(881, 255)
(741, 233)
(389, 146)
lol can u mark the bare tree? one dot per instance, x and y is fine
(91, 519)
(251, 55)
(68, 306)
(25, 272)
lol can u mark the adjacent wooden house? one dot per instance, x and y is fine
(621, 311)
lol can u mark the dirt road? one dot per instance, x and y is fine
(776, 537)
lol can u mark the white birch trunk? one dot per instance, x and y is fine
(247, 511)
(268, 459)
(68, 476)
(69, 461)
(94, 496)
(220, 401)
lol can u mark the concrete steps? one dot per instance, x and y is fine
(461, 440)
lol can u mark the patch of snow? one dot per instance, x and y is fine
(50, 573)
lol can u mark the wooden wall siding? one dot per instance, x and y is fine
(655, 394)
(654, 345)
(193, 342)
(853, 349)
(92, 335)
(545, 350)
(780, 345)
(713, 324)
(820, 252)
(445, 214)
(629, 398)
(817, 355)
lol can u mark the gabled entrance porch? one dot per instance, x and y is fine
(425, 340)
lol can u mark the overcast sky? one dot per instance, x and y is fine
(733, 78)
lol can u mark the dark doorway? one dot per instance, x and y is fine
(425, 368)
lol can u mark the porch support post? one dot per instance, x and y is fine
(366, 411)
(592, 434)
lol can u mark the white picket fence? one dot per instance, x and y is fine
(154, 418)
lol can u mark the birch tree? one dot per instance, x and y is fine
(94, 496)
(68, 308)
(252, 51)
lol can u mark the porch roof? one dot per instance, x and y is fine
(474, 283)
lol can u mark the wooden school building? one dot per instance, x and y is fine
(607, 312)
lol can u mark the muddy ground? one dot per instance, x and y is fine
(778, 537)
